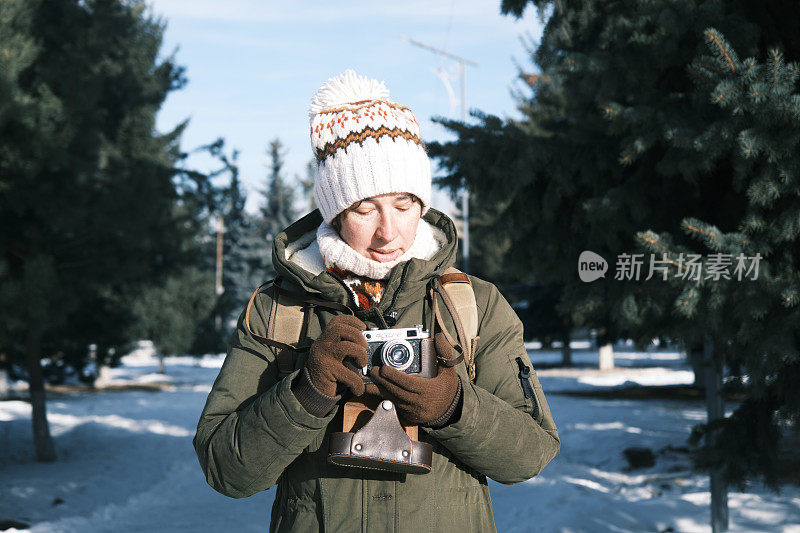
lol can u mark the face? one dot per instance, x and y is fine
(381, 228)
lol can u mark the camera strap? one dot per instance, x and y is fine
(436, 320)
(457, 294)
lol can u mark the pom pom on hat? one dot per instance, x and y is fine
(364, 144)
(346, 88)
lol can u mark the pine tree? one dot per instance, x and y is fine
(222, 226)
(307, 183)
(246, 253)
(747, 291)
(606, 150)
(277, 211)
(486, 247)
(168, 313)
(98, 204)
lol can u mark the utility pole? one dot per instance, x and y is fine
(715, 410)
(462, 67)
(218, 288)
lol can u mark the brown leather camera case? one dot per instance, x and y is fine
(373, 438)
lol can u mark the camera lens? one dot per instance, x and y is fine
(397, 354)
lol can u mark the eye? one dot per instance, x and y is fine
(404, 204)
(364, 210)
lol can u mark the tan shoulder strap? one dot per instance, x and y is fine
(464, 310)
(286, 327)
(288, 323)
(291, 318)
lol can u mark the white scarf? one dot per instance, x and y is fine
(330, 249)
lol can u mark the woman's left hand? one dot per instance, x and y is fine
(424, 401)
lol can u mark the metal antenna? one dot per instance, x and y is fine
(445, 77)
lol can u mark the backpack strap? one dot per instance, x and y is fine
(289, 319)
(458, 296)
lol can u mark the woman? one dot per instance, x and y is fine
(373, 246)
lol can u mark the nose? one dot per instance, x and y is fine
(387, 227)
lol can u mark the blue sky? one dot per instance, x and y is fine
(253, 67)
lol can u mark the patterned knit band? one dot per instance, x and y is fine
(365, 145)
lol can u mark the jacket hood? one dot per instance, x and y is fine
(406, 283)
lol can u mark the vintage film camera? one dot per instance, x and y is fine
(372, 436)
(409, 350)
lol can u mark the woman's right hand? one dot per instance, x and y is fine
(341, 338)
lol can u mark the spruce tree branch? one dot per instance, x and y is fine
(775, 58)
(701, 232)
(657, 243)
(712, 36)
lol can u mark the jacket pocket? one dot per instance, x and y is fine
(464, 509)
(296, 514)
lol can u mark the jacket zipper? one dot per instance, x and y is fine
(386, 314)
(347, 289)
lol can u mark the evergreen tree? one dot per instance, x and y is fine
(747, 289)
(534, 303)
(168, 313)
(93, 201)
(487, 246)
(245, 257)
(211, 331)
(606, 150)
(307, 184)
(277, 211)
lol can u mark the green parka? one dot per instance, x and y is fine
(253, 433)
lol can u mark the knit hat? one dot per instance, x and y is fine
(365, 145)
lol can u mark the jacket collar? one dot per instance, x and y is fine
(406, 283)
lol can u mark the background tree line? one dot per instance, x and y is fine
(107, 233)
(664, 127)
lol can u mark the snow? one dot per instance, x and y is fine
(126, 461)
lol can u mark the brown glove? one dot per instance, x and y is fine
(341, 338)
(428, 402)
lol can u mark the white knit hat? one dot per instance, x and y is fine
(365, 145)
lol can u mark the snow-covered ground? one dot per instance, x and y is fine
(126, 461)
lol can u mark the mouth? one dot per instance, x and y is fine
(385, 255)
